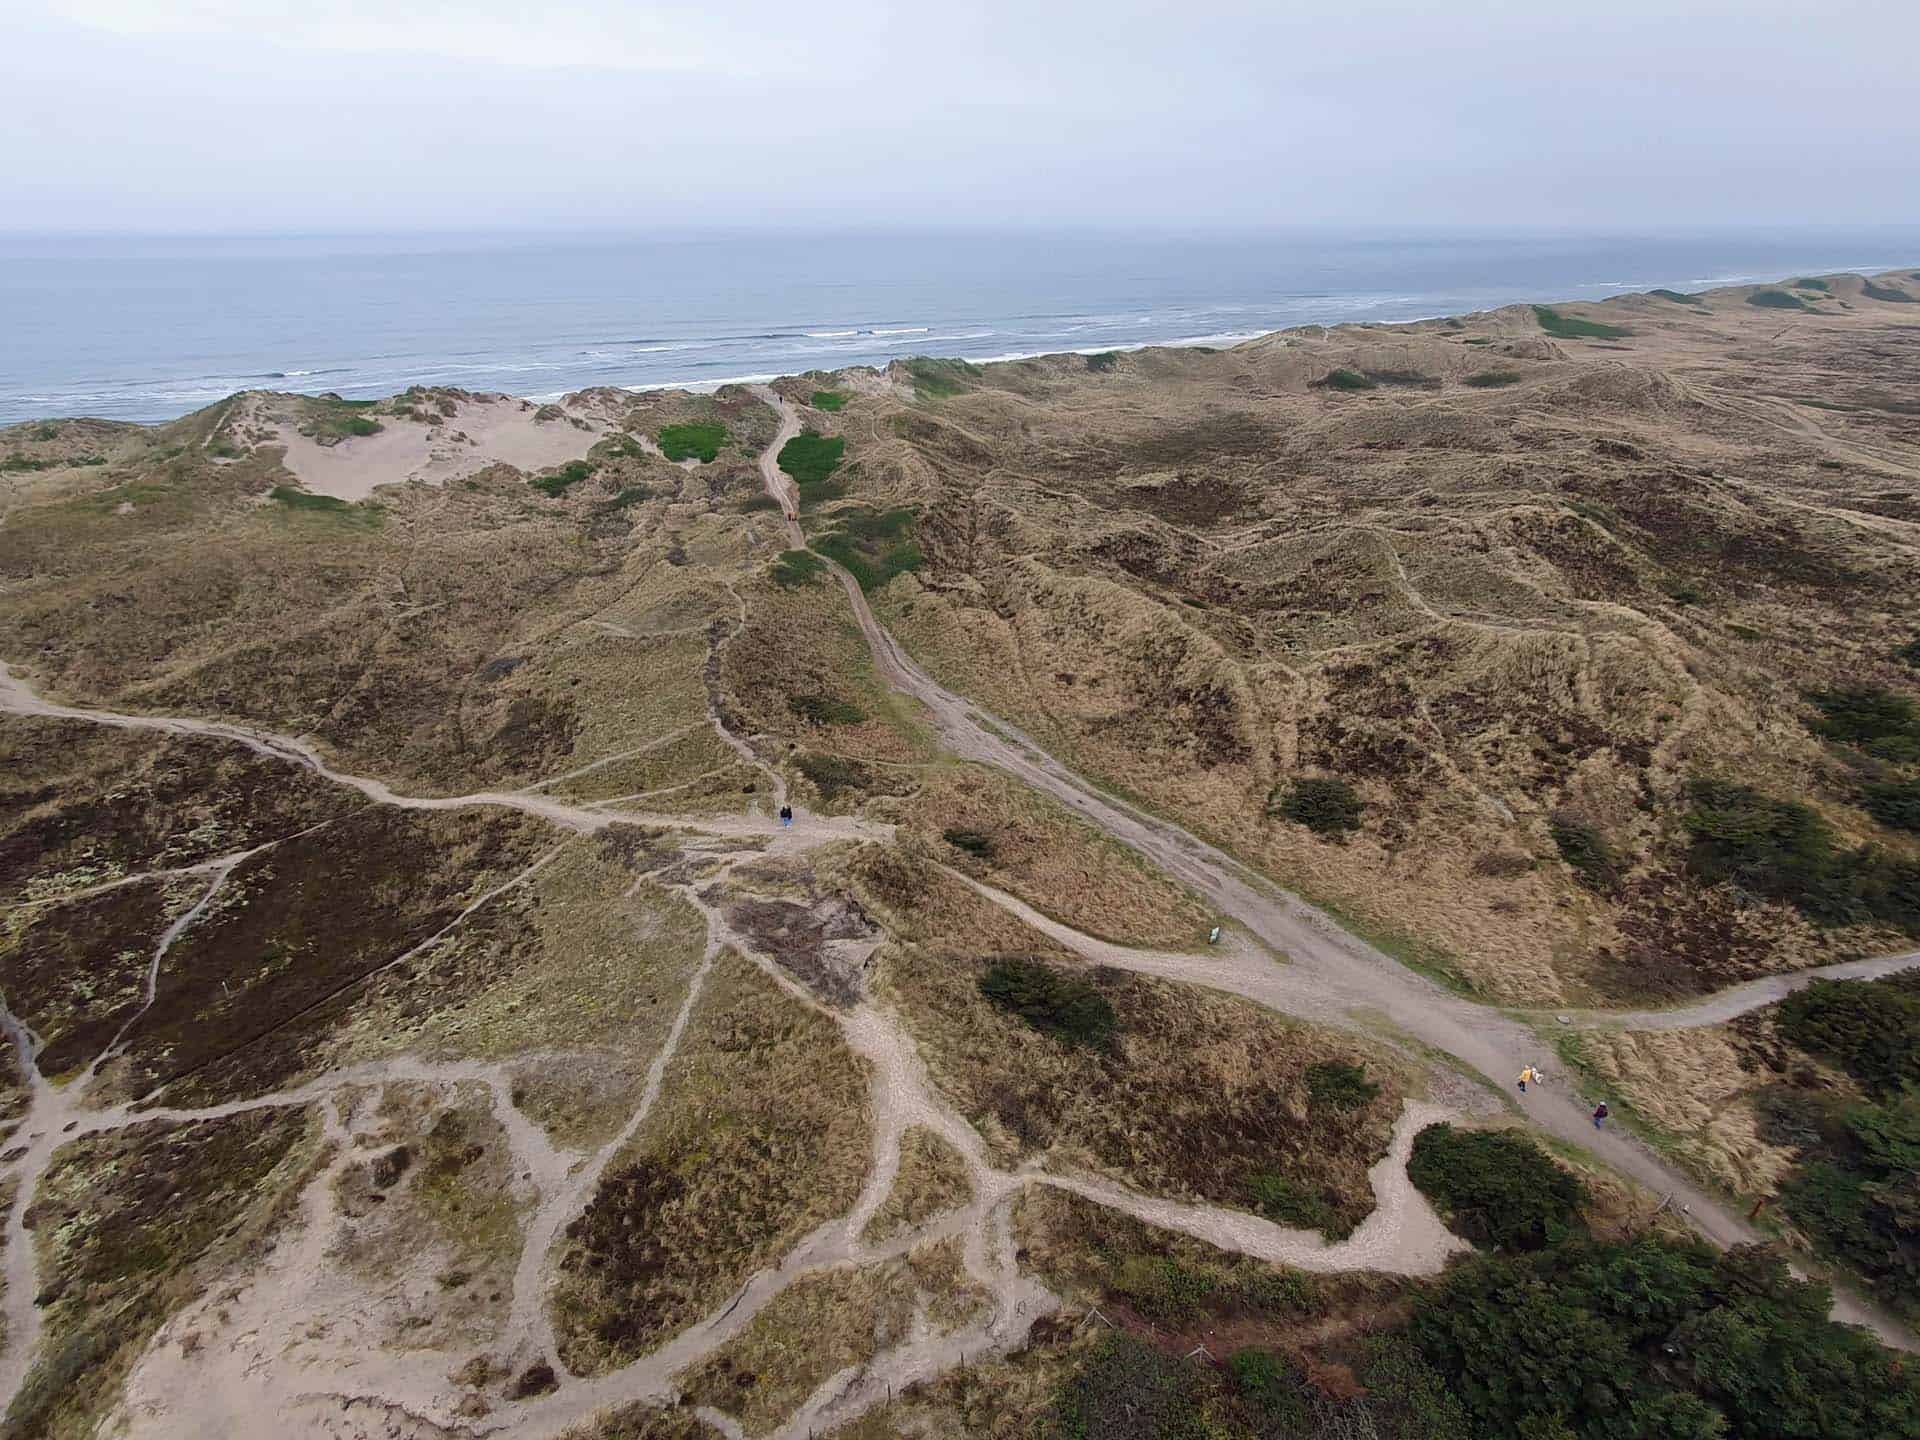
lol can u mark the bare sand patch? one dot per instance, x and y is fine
(484, 430)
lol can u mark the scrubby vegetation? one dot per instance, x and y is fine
(1568, 327)
(810, 458)
(1052, 1001)
(1676, 296)
(1344, 380)
(1326, 805)
(828, 400)
(1887, 294)
(873, 545)
(1895, 804)
(795, 568)
(305, 500)
(1493, 379)
(1103, 362)
(700, 439)
(832, 775)
(825, 710)
(1496, 1187)
(1776, 300)
(976, 843)
(569, 474)
(1584, 848)
(1782, 850)
(329, 419)
(1339, 1085)
(1870, 1029)
(1877, 720)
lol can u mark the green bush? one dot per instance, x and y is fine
(1326, 805)
(629, 496)
(1270, 1390)
(1910, 652)
(571, 473)
(303, 500)
(1776, 300)
(701, 438)
(976, 843)
(827, 400)
(873, 545)
(811, 457)
(1895, 804)
(1103, 362)
(1496, 1187)
(1407, 1398)
(1586, 850)
(1868, 1028)
(1493, 379)
(1676, 297)
(1566, 327)
(795, 568)
(1862, 714)
(1478, 340)
(1887, 294)
(1343, 380)
(825, 710)
(1781, 850)
(1809, 283)
(1051, 1001)
(1336, 1085)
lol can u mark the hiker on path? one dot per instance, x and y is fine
(1526, 1075)
(1213, 936)
(786, 817)
(1600, 1115)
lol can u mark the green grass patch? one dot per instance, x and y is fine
(331, 418)
(302, 502)
(810, 457)
(1493, 379)
(1886, 293)
(1868, 1028)
(571, 473)
(795, 568)
(1809, 283)
(758, 502)
(1103, 362)
(940, 379)
(700, 439)
(830, 401)
(1776, 300)
(1675, 297)
(833, 775)
(1569, 327)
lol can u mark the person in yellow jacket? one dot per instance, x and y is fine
(1528, 1074)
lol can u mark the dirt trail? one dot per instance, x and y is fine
(1736, 1000)
(1333, 972)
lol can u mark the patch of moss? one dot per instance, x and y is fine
(699, 439)
(828, 400)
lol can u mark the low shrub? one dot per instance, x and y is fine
(629, 496)
(825, 710)
(1342, 380)
(795, 568)
(1290, 1202)
(1676, 297)
(1776, 300)
(1868, 1028)
(1863, 714)
(827, 400)
(1586, 850)
(1337, 1085)
(976, 843)
(1127, 1390)
(1568, 327)
(939, 379)
(700, 439)
(1887, 294)
(1496, 1187)
(1910, 652)
(1493, 379)
(1051, 1001)
(303, 500)
(1326, 805)
(1105, 361)
(571, 473)
(1895, 804)
(1271, 1389)
(832, 775)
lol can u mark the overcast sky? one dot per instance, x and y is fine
(221, 115)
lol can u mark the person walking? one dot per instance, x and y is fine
(786, 817)
(1600, 1116)
(1527, 1075)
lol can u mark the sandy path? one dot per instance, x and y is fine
(1333, 972)
(1736, 1000)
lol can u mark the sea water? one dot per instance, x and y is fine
(149, 328)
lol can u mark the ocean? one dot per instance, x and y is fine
(150, 328)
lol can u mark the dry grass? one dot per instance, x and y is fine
(932, 1180)
(760, 1135)
(1696, 1086)
(815, 1328)
(642, 1422)
(1052, 860)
